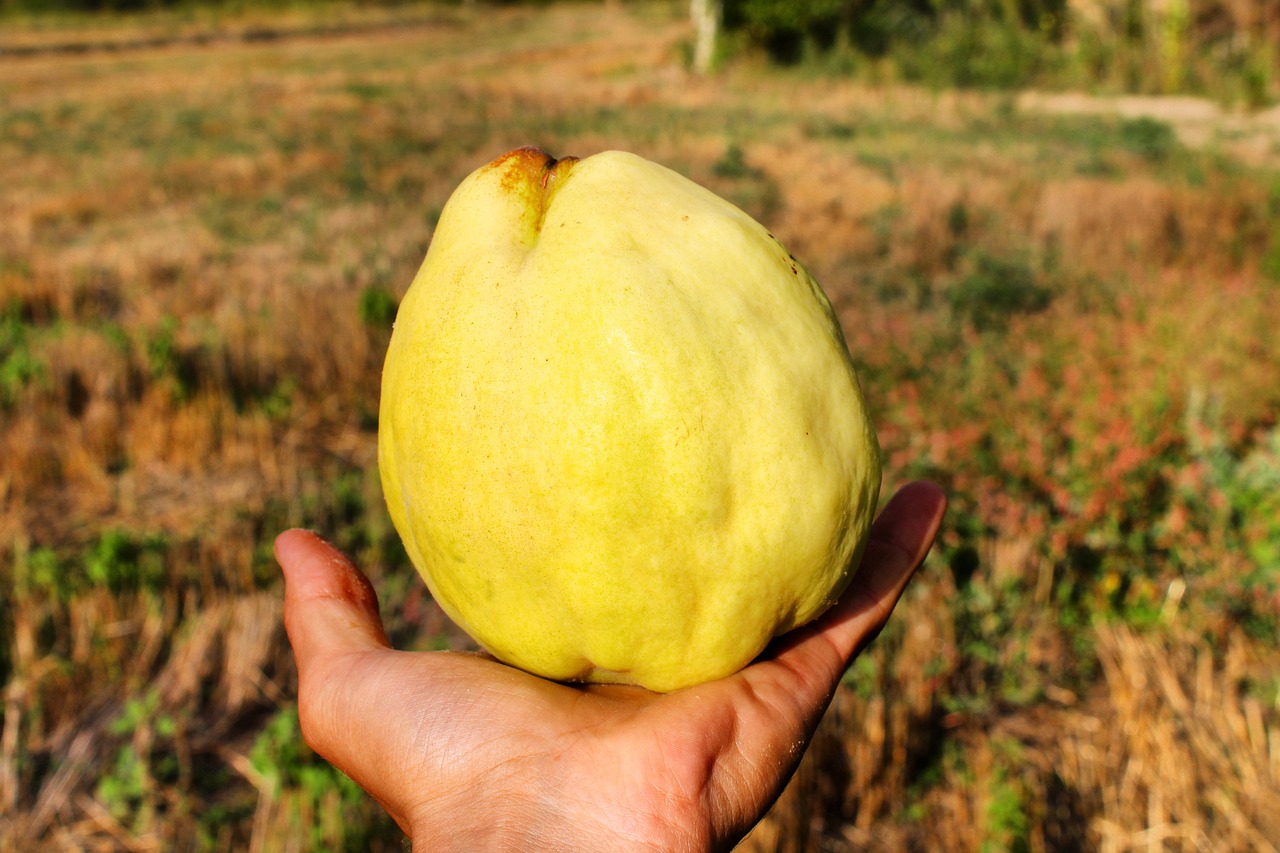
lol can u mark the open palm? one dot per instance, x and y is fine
(466, 753)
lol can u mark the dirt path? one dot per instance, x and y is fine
(1200, 123)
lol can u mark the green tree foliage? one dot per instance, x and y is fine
(877, 28)
(1197, 46)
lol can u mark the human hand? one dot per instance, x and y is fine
(466, 753)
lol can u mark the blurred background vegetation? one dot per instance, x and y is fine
(1222, 48)
(1216, 47)
(1050, 232)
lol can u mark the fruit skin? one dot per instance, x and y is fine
(620, 432)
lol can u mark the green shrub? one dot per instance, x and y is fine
(970, 52)
(1149, 138)
(377, 307)
(734, 164)
(1015, 43)
(996, 289)
(787, 31)
(974, 42)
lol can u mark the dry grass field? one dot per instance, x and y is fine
(1066, 316)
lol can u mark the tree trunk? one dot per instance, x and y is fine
(706, 16)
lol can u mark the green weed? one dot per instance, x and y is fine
(338, 814)
(278, 401)
(19, 365)
(1008, 814)
(169, 363)
(1246, 485)
(42, 573)
(121, 560)
(127, 787)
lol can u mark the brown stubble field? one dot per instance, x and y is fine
(1067, 319)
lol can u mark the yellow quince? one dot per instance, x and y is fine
(620, 432)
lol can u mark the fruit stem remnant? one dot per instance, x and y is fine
(553, 175)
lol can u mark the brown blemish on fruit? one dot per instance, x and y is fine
(534, 173)
(520, 165)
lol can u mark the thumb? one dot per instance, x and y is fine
(331, 616)
(330, 608)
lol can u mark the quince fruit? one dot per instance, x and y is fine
(620, 432)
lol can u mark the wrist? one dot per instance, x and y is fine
(520, 824)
